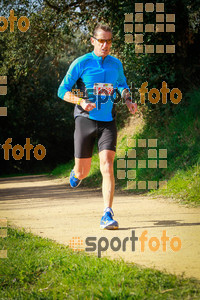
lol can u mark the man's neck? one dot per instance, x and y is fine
(99, 55)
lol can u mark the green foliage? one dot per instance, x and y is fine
(35, 112)
(38, 268)
(179, 134)
(35, 63)
(63, 170)
(184, 185)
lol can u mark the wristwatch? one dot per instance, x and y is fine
(79, 101)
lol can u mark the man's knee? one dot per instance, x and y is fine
(81, 174)
(82, 167)
(106, 167)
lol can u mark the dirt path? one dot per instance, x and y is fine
(49, 208)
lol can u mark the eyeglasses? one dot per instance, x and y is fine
(103, 41)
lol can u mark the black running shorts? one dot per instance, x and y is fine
(87, 131)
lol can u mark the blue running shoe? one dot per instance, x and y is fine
(107, 221)
(73, 180)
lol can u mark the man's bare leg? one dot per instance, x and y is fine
(82, 167)
(107, 171)
(108, 186)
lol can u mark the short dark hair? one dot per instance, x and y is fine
(101, 26)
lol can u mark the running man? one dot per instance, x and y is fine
(95, 119)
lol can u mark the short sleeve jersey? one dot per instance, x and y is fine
(87, 70)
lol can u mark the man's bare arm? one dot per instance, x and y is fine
(126, 94)
(127, 97)
(71, 98)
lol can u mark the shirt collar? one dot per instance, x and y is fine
(99, 58)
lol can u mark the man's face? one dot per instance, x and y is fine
(101, 49)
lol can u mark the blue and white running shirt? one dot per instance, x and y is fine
(87, 70)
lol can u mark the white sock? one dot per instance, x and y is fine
(108, 209)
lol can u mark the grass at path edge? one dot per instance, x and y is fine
(38, 268)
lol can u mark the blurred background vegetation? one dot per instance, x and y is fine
(36, 62)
